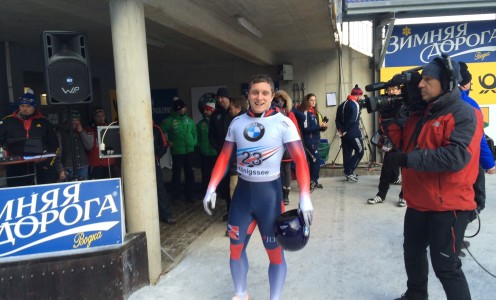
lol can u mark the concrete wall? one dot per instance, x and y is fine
(318, 73)
(324, 75)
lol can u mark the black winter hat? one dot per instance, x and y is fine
(223, 92)
(464, 72)
(438, 70)
(178, 104)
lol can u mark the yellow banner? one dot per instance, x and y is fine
(483, 80)
(483, 84)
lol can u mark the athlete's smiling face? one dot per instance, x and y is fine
(260, 97)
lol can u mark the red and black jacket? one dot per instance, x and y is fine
(36, 126)
(443, 146)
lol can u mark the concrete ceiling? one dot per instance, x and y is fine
(206, 31)
(190, 31)
(384, 10)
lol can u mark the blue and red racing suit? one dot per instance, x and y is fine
(257, 200)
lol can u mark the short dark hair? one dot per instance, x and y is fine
(262, 78)
(240, 102)
(97, 110)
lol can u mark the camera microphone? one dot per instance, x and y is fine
(376, 86)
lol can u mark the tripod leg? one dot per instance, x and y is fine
(369, 145)
(337, 154)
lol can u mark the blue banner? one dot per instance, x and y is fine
(162, 104)
(416, 45)
(60, 217)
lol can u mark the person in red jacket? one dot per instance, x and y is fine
(284, 102)
(99, 168)
(439, 155)
(24, 124)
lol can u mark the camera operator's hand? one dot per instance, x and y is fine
(491, 171)
(473, 214)
(395, 159)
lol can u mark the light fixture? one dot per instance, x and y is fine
(249, 26)
(155, 43)
(43, 99)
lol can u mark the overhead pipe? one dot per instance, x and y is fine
(8, 70)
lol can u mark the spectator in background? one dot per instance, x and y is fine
(181, 131)
(74, 151)
(208, 154)
(237, 107)
(217, 131)
(388, 176)
(160, 146)
(99, 168)
(348, 126)
(285, 104)
(27, 122)
(310, 130)
(486, 163)
(322, 121)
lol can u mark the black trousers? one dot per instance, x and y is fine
(223, 190)
(207, 164)
(353, 151)
(443, 233)
(102, 172)
(164, 207)
(23, 174)
(286, 173)
(180, 162)
(388, 176)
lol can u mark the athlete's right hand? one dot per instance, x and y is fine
(209, 201)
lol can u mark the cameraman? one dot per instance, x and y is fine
(440, 144)
(388, 176)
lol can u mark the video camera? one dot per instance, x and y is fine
(408, 79)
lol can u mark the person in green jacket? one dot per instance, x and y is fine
(182, 135)
(208, 155)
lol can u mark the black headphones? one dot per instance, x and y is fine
(445, 61)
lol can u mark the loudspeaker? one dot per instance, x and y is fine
(67, 73)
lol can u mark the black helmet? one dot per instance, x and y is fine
(290, 231)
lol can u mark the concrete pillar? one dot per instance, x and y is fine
(135, 120)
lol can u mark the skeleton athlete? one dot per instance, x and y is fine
(259, 137)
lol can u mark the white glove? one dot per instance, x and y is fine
(306, 208)
(209, 201)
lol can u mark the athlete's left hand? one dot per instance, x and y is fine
(306, 209)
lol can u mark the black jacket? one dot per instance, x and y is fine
(217, 130)
(36, 126)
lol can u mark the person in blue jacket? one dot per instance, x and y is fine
(486, 161)
(310, 128)
(348, 126)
